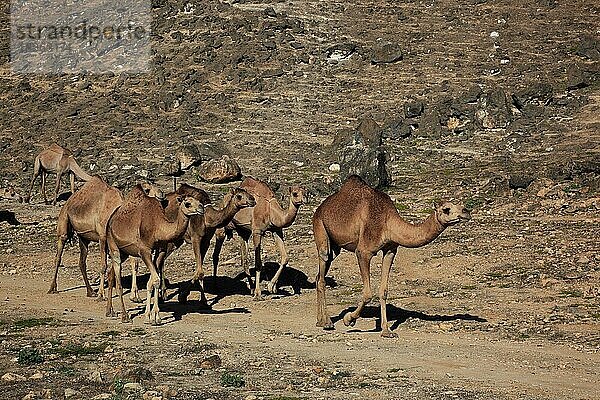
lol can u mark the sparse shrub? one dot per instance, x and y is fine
(29, 356)
(229, 379)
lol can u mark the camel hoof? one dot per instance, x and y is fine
(111, 314)
(136, 299)
(100, 298)
(125, 318)
(389, 334)
(272, 288)
(349, 320)
(259, 297)
(53, 291)
(327, 325)
(92, 294)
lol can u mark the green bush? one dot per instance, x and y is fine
(29, 356)
(232, 380)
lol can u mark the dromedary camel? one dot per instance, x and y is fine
(60, 161)
(86, 213)
(201, 229)
(138, 228)
(253, 222)
(364, 220)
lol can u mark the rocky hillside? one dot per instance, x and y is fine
(476, 89)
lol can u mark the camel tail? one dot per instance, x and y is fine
(77, 170)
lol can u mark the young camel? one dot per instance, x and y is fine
(201, 229)
(60, 161)
(363, 220)
(86, 213)
(138, 228)
(253, 222)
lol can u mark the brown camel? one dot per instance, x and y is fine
(364, 220)
(86, 213)
(60, 161)
(253, 222)
(138, 228)
(201, 229)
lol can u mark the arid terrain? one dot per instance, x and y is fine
(493, 103)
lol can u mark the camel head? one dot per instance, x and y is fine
(10, 194)
(297, 195)
(451, 214)
(241, 198)
(152, 191)
(190, 206)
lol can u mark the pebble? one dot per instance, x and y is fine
(583, 260)
(70, 393)
(335, 167)
(251, 397)
(36, 376)
(95, 376)
(102, 396)
(10, 377)
(132, 387)
(494, 34)
(29, 396)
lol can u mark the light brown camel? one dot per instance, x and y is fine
(253, 222)
(363, 220)
(60, 161)
(86, 214)
(138, 228)
(201, 229)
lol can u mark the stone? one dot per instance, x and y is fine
(413, 109)
(335, 167)
(211, 362)
(102, 396)
(95, 376)
(131, 387)
(69, 393)
(493, 110)
(520, 180)
(29, 396)
(399, 129)
(11, 377)
(536, 94)
(222, 170)
(341, 51)
(386, 53)
(188, 156)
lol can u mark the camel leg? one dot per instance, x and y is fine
(256, 239)
(199, 253)
(103, 268)
(159, 260)
(44, 187)
(243, 244)
(278, 237)
(57, 188)
(72, 179)
(119, 285)
(115, 263)
(364, 263)
(62, 238)
(152, 314)
(135, 292)
(83, 253)
(36, 173)
(325, 260)
(386, 266)
(219, 240)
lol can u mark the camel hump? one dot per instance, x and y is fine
(257, 188)
(197, 193)
(354, 182)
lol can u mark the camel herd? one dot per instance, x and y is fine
(149, 225)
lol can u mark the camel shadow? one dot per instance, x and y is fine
(10, 217)
(397, 316)
(290, 277)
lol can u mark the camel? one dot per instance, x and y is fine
(60, 161)
(201, 229)
(138, 228)
(86, 213)
(253, 222)
(363, 220)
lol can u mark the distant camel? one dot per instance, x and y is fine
(138, 228)
(86, 214)
(253, 222)
(363, 220)
(60, 161)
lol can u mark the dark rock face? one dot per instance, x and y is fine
(220, 170)
(413, 109)
(360, 153)
(589, 47)
(398, 129)
(188, 155)
(520, 180)
(493, 110)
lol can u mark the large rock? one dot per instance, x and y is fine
(359, 152)
(188, 156)
(220, 170)
(386, 53)
(493, 110)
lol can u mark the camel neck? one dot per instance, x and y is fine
(414, 235)
(282, 218)
(214, 218)
(173, 230)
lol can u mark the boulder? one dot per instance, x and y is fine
(220, 170)
(188, 156)
(386, 53)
